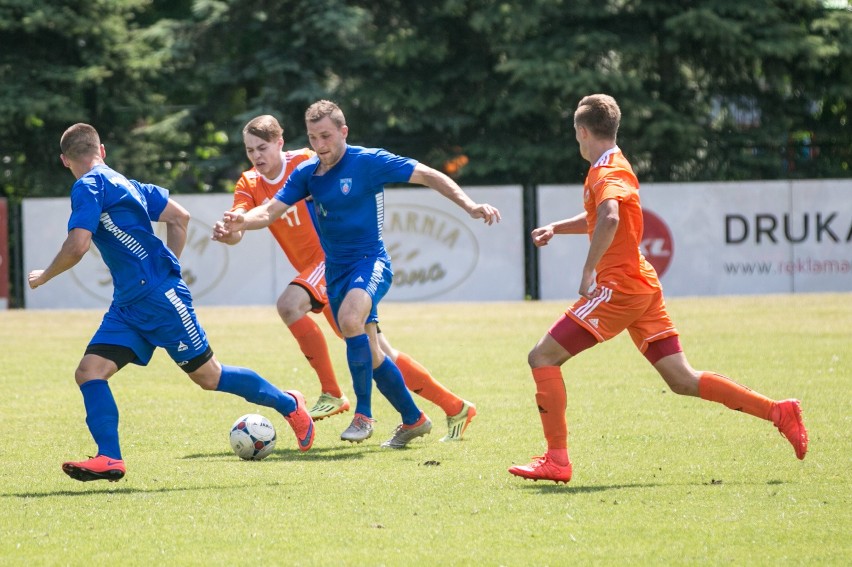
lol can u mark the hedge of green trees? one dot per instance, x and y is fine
(710, 90)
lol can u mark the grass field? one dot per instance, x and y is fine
(658, 479)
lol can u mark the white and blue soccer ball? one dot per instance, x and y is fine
(253, 437)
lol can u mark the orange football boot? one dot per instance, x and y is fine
(301, 422)
(543, 468)
(787, 417)
(96, 468)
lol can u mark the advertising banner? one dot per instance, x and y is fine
(253, 272)
(722, 238)
(438, 253)
(4, 254)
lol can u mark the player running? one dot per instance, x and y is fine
(296, 234)
(151, 305)
(620, 290)
(346, 184)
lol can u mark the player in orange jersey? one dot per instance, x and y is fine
(296, 234)
(620, 290)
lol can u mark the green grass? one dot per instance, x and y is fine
(658, 478)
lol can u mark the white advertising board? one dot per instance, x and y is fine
(253, 272)
(722, 238)
(438, 253)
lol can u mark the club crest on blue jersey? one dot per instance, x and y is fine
(346, 185)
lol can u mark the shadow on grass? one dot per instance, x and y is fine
(549, 487)
(315, 454)
(291, 456)
(126, 490)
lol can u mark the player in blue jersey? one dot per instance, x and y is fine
(151, 305)
(347, 186)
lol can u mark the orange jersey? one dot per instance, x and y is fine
(622, 267)
(294, 231)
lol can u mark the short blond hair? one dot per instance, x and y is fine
(322, 108)
(80, 141)
(600, 114)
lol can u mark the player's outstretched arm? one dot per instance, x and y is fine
(258, 217)
(73, 249)
(574, 225)
(177, 220)
(440, 182)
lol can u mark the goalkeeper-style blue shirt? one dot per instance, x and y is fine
(118, 212)
(349, 200)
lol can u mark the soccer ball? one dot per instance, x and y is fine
(253, 437)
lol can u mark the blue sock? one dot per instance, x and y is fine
(390, 383)
(102, 417)
(361, 367)
(250, 385)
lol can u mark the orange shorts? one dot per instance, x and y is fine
(312, 280)
(643, 315)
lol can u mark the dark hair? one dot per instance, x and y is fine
(79, 141)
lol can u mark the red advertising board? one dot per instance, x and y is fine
(4, 254)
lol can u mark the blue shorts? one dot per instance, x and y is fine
(164, 318)
(373, 275)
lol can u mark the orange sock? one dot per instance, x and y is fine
(313, 345)
(717, 388)
(552, 402)
(420, 381)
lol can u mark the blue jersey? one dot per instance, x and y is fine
(349, 200)
(118, 212)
